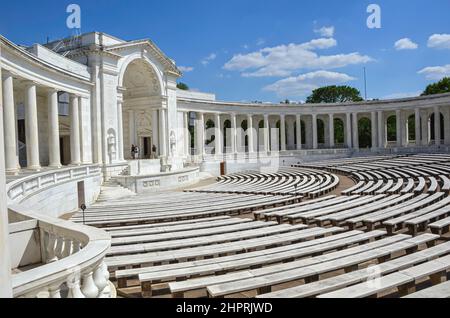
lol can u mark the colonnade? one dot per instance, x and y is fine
(281, 132)
(10, 84)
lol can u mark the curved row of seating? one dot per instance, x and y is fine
(175, 206)
(286, 181)
(392, 175)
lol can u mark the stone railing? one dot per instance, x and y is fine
(22, 188)
(72, 255)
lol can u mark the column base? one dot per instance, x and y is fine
(34, 168)
(55, 166)
(12, 172)
(75, 164)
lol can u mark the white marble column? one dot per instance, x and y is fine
(373, 125)
(446, 113)
(9, 126)
(299, 132)
(314, 131)
(120, 141)
(425, 128)
(31, 127)
(404, 129)
(75, 154)
(283, 132)
(331, 129)
(163, 135)
(186, 134)
(250, 133)
(417, 126)
(348, 135)
(5, 263)
(381, 138)
(199, 134)
(53, 129)
(155, 132)
(398, 127)
(233, 141)
(355, 130)
(132, 129)
(218, 134)
(437, 126)
(266, 133)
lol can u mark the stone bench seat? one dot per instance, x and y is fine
(397, 187)
(236, 282)
(355, 277)
(149, 217)
(289, 253)
(440, 227)
(261, 214)
(175, 229)
(437, 291)
(313, 215)
(169, 207)
(409, 187)
(371, 220)
(422, 221)
(202, 252)
(420, 217)
(269, 228)
(404, 280)
(169, 236)
(176, 223)
(386, 186)
(263, 282)
(433, 187)
(354, 188)
(389, 202)
(282, 214)
(445, 183)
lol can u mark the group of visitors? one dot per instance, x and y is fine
(135, 151)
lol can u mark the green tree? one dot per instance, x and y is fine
(334, 94)
(183, 86)
(441, 87)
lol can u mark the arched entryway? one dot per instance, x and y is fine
(365, 133)
(339, 132)
(432, 127)
(144, 122)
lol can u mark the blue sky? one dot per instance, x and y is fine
(267, 50)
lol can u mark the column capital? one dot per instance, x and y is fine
(28, 83)
(51, 90)
(7, 73)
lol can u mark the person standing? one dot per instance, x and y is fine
(136, 152)
(133, 151)
(154, 151)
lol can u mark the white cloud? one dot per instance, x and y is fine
(260, 42)
(305, 83)
(439, 41)
(436, 72)
(283, 60)
(327, 32)
(402, 95)
(405, 44)
(209, 58)
(186, 69)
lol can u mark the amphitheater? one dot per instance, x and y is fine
(224, 199)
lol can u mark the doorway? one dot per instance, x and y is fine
(147, 147)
